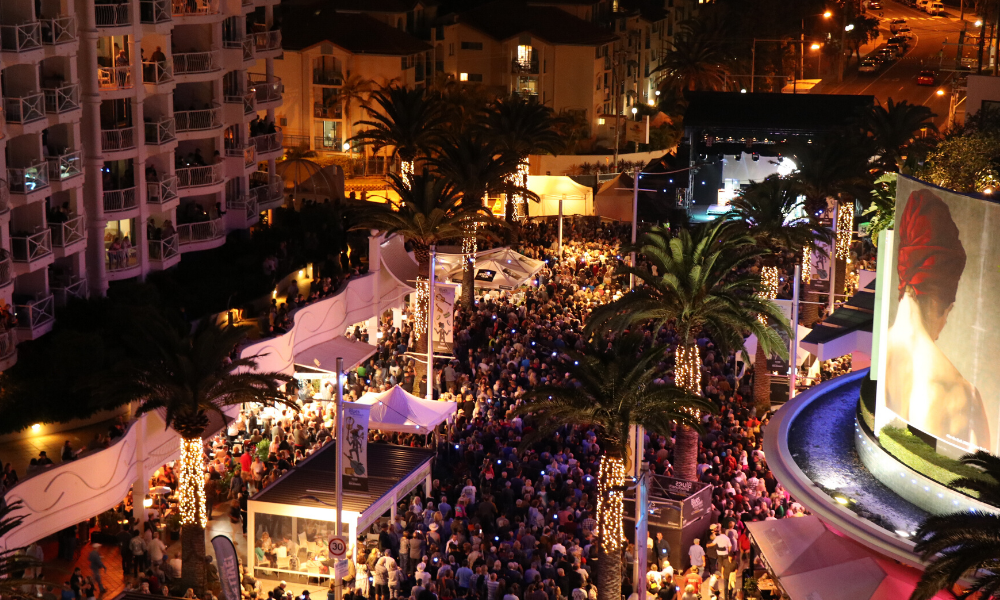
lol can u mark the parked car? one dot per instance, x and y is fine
(905, 31)
(886, 54)
(901, 41)
(922, 5)
(875, 5)
(870, 65)
(897, 49)
(935, 8)
(927, 77)
(895, 24)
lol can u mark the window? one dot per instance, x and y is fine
(476, 77)
(283, 121)
(472, 45)
(451, 49)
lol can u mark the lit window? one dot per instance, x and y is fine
(600, 121)
(463, 76)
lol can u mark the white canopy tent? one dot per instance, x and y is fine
(576, 199)
(399, 410)
(500, 268)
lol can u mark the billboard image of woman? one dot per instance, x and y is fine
(923, 386)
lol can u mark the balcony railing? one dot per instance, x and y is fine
(162, 250)
(63, 293)
(198, 120)
(186, 8)
(114, 78)
(62, 99)
(28, 179)
(68, 233)
(327, 78)
(154, 11)
(112, 15)
(161, 192)
(29, 248)
(65, 166)
(4, 201)
(189, 233)
(27, 109)
(248, 152)
(155, 72)
(119, 200)
(327, 112)
(269, 142)
(264, 90)
(524, 68)
(60, 30)
(199, 176)
(6, 269)
(266, 188)
(196, 62)
(21, 38)
(328, 143)
(114, 140)
(160, 132)
(120, 259)
(245, 44)
(8, 343)
(267, 40)
(247, 205)
(35, 313)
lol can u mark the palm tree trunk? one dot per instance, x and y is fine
(191, 491)
(423, 256)
(761, 383)
(610, 527)
(609, 575)
(810, 310)
(840, 284)
(687, 375)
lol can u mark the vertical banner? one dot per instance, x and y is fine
(229, 567)
(355, 446)
(444, 318)
(819, 265)
(641, 533)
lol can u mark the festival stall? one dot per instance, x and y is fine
(316, 365)
(551, 189)
(398, 410)
(614, 199)
(496, 269)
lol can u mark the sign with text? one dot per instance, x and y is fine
(338, 546)
(355, 447)
(229, 567)
(444, 318)
(637, 131)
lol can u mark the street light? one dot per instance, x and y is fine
(979, 23)
(802, 41)
(940, 92)
(827, 15)
(819, 60)
(849, 27)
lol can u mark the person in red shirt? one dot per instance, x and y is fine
(693, 578)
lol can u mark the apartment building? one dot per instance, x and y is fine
(127, 141)
(323, 47)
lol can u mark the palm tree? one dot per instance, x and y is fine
(883, 207)
(767, 209)
(355, 89)
(702, 286)
(613, 389)
(697, 59)
(188, 376)
(14, 563)
(957, 546)
(474, 165)
(411, 122)
(520, 128)
(895, 131)
(987, 486)
(430, 211)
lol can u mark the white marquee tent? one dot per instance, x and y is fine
(500, 268)
(576, 199)
(399, 410)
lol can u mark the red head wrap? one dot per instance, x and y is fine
(931, 256)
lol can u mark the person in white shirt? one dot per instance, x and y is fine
(175, 565)
(469, 491)
(696, 554)
(156, 549)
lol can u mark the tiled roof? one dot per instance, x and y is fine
(306, 24)
(504, 19)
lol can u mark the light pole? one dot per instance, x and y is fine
(802, 38)
(430, 325)
(819, 60)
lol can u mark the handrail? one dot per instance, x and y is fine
(62, 99)
(21, 38)
(199, 176)
(69, 232)
(196, 62)
(268, 40)
(156, 72)
(112, 15)
(32, 247)
(34, 313)
(113, 140)
(163, 191)
(266, 91)
(124, 258)
(183, 8)
(119, 200)
(59, 30)
(25, 109)
(114, 78)
(189, 233)
(249, 48)
(161, 250)
(25, 180)
(154, 11)
(76, 289)
(65, 166)
(160, 132)
(198, 120)
(268, 142)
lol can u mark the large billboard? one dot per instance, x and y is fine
(940, 335)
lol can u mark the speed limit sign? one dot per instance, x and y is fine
(338, 546)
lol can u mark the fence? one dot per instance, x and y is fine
(154, 11)
(114, 78)
(28, 179)
(123, 258)
(35, 313)
(156, 72)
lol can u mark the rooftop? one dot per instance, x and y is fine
(505, 19)
(857, 314)
(308, 23)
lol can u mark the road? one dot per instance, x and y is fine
(899, 80)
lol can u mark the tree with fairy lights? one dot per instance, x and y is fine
(187, 376)
(430, 210)
(702, 287)
(772, 213)
(613, 387)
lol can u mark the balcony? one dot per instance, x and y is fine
(265, 91)
(161, 192)
(27, 180)
(65, 292)
(26, 109)
(34, 317)
(65, 166)
(4, 203)
(331, 78)
(245, 45)
(112, 15)
(6, 269)
(31, 249)
(62, 99)
(246, 206)
(71, 232)
(116, 201)
(121, 259)
(152, 12)
(321, 111)
(190, 63)
(160, 132)
(114, 78)
(192, 233)
(8, 349)
(198, 120)
(267, 143)
(194, 8)
(267, 41)
(59, 31)
(157, 73)
(192, 177)
(164, 253)
(266, 190)
(21, 38)
(248, 152)
(117, 140)
(529, 67)
(328, 143)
